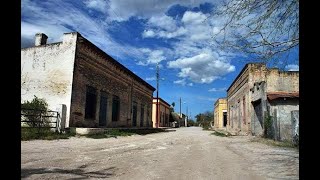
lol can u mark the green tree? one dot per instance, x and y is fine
(204, 119)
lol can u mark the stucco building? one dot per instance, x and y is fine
(95, 89)
(259, 92)
(163, 113)
(220, 113)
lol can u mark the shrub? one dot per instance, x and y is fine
(33, 110)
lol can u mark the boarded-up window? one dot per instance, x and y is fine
(91, 99)
(115, 108)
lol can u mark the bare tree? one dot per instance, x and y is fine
(262, 28)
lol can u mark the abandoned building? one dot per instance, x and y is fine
(163, 113)
(94, 89)
(220, 113)
(259, 93)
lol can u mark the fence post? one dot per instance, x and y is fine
(62, 110)
(295, 126)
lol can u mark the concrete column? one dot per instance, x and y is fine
(62, 110)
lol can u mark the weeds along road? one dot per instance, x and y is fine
(187, 153)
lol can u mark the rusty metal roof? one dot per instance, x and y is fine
(275, 95)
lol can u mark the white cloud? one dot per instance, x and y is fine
(292, 67)
(149, 57)
(151, 78)
(99, 5)
(65, 16)
(202, 68)
(145, 9)
(148, 33)
(217, 89)
(193, 18)
(163, 22)
(180, 81)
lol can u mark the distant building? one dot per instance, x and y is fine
(220, 113)
(95, 89)
(259, 92)
(163, 113)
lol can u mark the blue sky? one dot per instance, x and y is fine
(141, 33)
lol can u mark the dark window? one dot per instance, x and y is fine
(224, 119)
(244, 110)
(115, 108)
(91, 99)
(148, 115)
(134, 113)
(142, 115)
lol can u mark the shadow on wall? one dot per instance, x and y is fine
(80, 171)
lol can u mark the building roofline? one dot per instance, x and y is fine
(112, 60)
(244, 68)
(219, 99)
(116, 63)
(162, 101)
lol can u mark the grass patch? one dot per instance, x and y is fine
(220, 134)
(43, 133)
(271, 142)
(122, 132)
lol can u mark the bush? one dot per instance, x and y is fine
(42, 133)
(33, 110)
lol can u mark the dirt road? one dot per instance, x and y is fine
(187, 153)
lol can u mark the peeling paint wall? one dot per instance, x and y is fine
(47, 72)
(239, 105)
(285, 81)
(283, 110)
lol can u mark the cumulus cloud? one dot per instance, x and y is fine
(151, 56)
(193, 18)
(292, 67)
(201, 68)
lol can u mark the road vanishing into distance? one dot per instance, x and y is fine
(183, 153)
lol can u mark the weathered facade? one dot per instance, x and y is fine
(249, 101)
(220, 113)
(163, 113)
(97, 90)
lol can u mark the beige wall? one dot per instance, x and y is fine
(163, 114)
(220, 106)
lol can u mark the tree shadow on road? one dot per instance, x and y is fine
(79, 171)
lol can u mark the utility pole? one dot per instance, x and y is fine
(157, 75)
(180, 111)
(186, 120)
